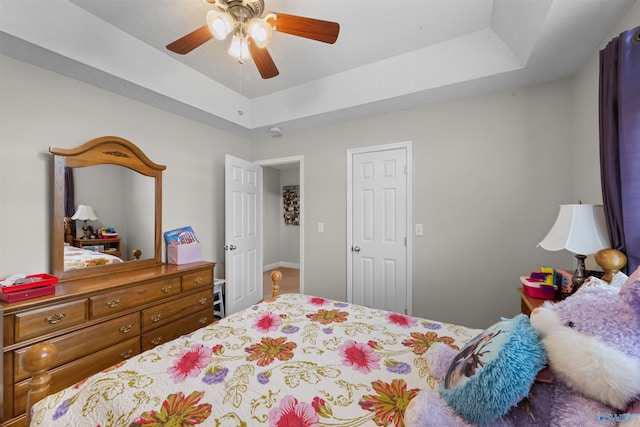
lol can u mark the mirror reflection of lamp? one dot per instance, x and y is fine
(84, 213)
(580, 229)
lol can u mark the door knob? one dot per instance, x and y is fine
(230, 248)
(355, 248)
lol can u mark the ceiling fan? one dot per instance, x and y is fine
(251, 31)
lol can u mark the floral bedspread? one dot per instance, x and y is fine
(292, 360)
(75, 258)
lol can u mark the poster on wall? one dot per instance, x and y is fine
(291, 204)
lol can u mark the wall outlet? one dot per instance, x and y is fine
(321, 227)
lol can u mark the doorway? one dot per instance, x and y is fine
(283, 243)
(379, 227)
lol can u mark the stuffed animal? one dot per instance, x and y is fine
(591, 342)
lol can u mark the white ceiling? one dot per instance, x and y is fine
(390, 55)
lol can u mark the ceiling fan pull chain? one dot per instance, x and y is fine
(240, 110)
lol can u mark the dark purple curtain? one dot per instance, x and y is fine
(620, 142)
(69, 197)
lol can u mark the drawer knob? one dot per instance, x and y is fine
(156, 340)
(54, 318)
(166, 289)
(203, 320)
(203, 300)
(156, 318)
(126, 354)
(126, 328)
(198, 280)
(113, 303)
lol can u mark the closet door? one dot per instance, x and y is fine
(379, 259)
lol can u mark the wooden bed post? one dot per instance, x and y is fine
(37, 360)
(276, 277)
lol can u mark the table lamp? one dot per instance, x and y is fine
(580, 229)
(84, 213)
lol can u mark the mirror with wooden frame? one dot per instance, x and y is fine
(117, 176)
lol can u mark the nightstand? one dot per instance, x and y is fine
(109, 246)
(528, 304)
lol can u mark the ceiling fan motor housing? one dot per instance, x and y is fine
(242, 10)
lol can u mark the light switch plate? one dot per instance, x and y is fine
(419, 230)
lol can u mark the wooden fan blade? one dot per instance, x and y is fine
(191, 41)
(263, 60)
(314, 29)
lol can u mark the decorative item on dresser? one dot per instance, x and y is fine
(103, 314)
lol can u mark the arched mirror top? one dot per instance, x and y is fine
(92, 155)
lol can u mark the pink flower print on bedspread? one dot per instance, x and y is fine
(401, 320)
(359, 356)
(293, 413)
(190, 362)
(267, 322)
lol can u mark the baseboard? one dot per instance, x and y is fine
(279, 265)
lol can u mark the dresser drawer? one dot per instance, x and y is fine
(167, 312)
(176, 329)
(71, 373)
(86, 341)
(49, 319)
(123, 299)
(195, 280)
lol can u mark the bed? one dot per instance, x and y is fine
(76, 258)
(289, 358)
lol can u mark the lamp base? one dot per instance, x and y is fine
(87, 231)
(579, 277)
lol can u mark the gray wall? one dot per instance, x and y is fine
(272, 211)
(289, 234)
(489, 174)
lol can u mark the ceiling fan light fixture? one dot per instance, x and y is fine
(239, 48)
(220, 24)
(260, 31)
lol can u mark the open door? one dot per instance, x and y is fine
(243, 233)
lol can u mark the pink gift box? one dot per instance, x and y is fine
(184, 254)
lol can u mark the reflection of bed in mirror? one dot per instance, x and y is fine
(76, 258)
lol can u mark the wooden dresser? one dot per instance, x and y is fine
(99, 321)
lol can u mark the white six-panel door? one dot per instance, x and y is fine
(379, 229)
(243, 233)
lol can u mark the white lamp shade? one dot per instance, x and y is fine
(220, 24)
(239, 48)
(85, 212)
(580, 229)
(260, 31)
